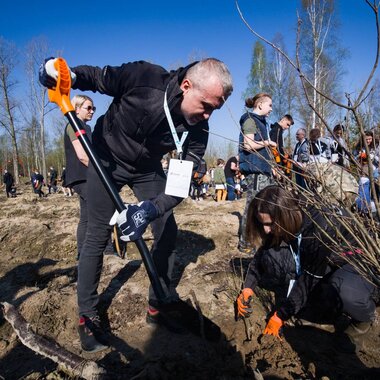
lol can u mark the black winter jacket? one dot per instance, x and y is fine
(134, 131)
(276, 135)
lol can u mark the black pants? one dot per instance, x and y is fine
(100, 210)
(342, 290)
(81, 189)
(8, 189)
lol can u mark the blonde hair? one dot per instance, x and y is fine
(78, 100)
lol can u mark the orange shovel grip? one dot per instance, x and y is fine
(60, 95)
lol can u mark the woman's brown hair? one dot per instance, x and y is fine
(284, 210)
(314, 134)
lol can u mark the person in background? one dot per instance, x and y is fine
(53, 177)
(131, 139)
(319, 149)
(254, 154)
(67, 191)
(8, 182)
(302, 258)
(37, 182)
(239, 184)
(220, 180)
(338, 147)
(360, 153)
(230, 170)
(197, 187)
(300, 157)
(365, 201)
(276, 134)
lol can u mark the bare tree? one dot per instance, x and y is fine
(8, 61)
(56, 155)
(38, 105)
(280, 81)
(321, 56)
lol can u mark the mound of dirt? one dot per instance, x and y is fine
(38, 272)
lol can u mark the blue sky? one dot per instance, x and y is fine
(170, 32)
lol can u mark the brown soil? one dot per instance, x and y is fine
(38, 276)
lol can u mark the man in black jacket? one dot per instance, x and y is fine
(8, 182)
(130, 139)
(53, 180)
(276, 134)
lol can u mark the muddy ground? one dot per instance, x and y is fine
(38, 276)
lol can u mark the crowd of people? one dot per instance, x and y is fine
(299, 245)
(278, 228)
(55, 184)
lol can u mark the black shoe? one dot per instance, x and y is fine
(353, 337)
(90, 334)
(159, 319)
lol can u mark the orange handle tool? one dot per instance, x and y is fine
(60, 95)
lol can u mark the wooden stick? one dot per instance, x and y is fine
(73, 363)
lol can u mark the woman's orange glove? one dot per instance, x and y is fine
(243, 303)
(274, 325)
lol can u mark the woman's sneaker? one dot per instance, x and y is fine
(91, 334)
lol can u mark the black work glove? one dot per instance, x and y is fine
(134, 220)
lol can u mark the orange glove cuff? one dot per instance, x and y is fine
(277, 319)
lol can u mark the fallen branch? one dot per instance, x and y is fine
(74, 364)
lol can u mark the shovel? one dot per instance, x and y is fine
(61, 96)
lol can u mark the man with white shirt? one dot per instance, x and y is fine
(300, 157)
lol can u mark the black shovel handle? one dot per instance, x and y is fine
(61, 96)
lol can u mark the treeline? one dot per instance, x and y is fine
(317, 56)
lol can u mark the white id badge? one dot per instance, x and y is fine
(179, 177)
(291, 284)
(295, 158)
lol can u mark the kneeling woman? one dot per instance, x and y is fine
(301, 258)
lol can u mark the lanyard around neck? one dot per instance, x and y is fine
(177, 141)
(319, 146)
(296, 255)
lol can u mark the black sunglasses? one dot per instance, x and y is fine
(90, 108)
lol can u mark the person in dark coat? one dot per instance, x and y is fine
(230, 170)
(37, 182)
(276, 134)
(152, 112)
(277, 130)
(53, 177)
(8, 182)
